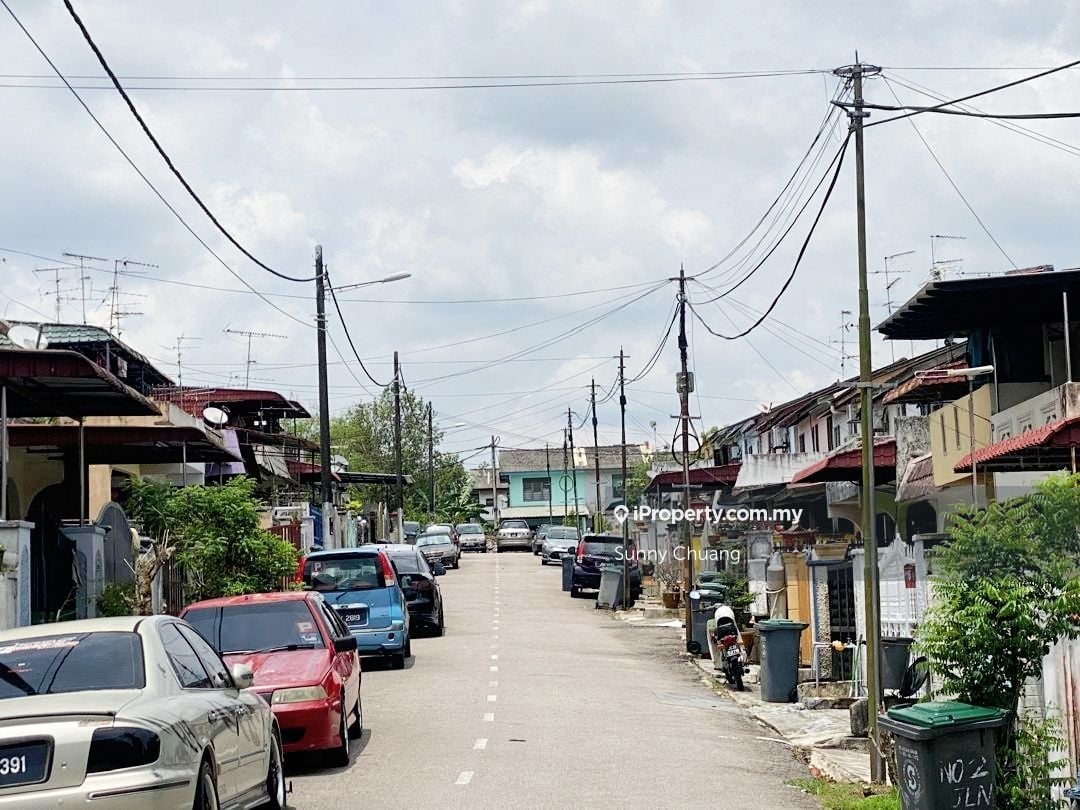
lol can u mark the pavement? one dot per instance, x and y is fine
(533, 699)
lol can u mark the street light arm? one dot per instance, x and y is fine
(387, 280)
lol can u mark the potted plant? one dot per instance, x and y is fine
(669, 574)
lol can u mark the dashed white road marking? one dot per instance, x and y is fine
(493, 683)
(480, 744)
(492, 698)
(494, 657)
(464, 778)
(493, 668)
(489, 717)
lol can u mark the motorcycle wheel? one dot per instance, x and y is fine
(739, 684)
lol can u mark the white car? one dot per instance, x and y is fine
(131, 712)
(558, 542)
(513, 534)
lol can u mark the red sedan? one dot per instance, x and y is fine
(304, 660)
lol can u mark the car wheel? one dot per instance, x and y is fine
(339, 757)
(543, 560)
(575, 591)
(357, 727)
(457, 562)
(206, 797)
(440, 628)
(275, 776)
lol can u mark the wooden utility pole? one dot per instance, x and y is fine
(399, 482)
(684, 384)
(626, 521)
(871, 574)
(324, 395)
(494, 485)
(431, 464)
(598, 514)
(573, 465)
(547, 463)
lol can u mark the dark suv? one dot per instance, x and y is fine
(595, 550)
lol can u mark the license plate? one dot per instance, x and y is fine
(354, 617)
(24, 763)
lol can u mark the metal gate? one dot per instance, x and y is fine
(842, 617)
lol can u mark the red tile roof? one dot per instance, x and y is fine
(846, 465)
(702, 476)
(1062, 433)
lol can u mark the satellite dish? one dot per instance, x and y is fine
(215, 416)
(26, 336)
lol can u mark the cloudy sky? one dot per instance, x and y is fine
(538, 222)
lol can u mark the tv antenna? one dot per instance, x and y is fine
(181, 339)
(250, 335)
(939, 267)
(115, 294)
(83, 278)
(889, 283)
(845, 324)
(59, 295)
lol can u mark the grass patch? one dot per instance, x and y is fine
(845, 796)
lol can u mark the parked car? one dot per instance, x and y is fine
(595, 550)
(417, 580)
(513, 533)
(439, 548)
(131, 712)
(444, 528)
(410, 530)
(538, 537)
(471, 537)
(361, 586)
(560, 540)
(303, 658)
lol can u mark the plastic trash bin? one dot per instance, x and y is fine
(610, 596)
(779, 640)
(944, 754)
(895, 653)
(702, 607)
(567, 572)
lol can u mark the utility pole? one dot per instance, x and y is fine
(573, 465)
(871, 575)
(547, 463)
(684, 384)
(430, 465)
(494, 486)
(398, 479)
(324, 395)
(249, 335)
(596, 453)
(626, 522)
(562, 481)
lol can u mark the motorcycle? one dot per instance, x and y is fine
(729, 647)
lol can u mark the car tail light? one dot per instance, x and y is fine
(581, 552)
(387, 569)
(300, 570)
(114, 748)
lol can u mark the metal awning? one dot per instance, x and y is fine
(957, 307)
(846, 465)
(723, 475)
(305, 472)
(1046, 448)
(539, 511)
(361, 478)
(123, 444)
(48, 382)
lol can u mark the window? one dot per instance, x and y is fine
(264, 627)
(186, 664)
(829, 431)
(802, 442)
(354, 572)
(816, 438)
(78, 662)
(405, 563)
(616, 485)
(535, 489)
(337, 627)
(211, 661)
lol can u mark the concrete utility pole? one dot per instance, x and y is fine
(431, 464)
(563, 485)
(324, 395)
(399, 484)
(626, 522)
(596, 453)
(494, 485)
(573, 465)
(684, 384)
(871, 574)
(547, 463)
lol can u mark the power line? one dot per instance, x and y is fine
(143, 176)
(161, 151)
(952, 182)
(348, 337)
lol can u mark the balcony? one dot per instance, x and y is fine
(1054, 405)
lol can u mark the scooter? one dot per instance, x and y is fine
(729, 647)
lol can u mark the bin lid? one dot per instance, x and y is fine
(944, 713)
(611, 569)
(769, 625)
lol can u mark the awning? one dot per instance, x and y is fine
(918, 480)
(700, 477)
(360, 478)
(846, 465)
(305, 471)
(540, 511)
(123, 444)
(235, 400)
(930, 386)
(1044, 448)
(47, 382)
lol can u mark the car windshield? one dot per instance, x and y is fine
(354, 572)
(560, 533)
(514, 524)
(469, 528)
(405, 563)
(77, 662)
(258, 627)
(597, 547)
(432, 539)
(410, 527)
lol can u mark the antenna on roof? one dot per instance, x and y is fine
(114, 294)
(938, 267)
(249, 335)
(57, 292)
(83, 278)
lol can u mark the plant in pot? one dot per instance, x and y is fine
(668, 573)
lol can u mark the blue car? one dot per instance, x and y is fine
(361, 585)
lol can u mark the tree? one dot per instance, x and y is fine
(1006, 590)
(213, 531)
(637, 478)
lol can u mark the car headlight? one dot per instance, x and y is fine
(299, 694)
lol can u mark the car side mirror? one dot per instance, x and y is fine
(242, 676)
(438, 569)
(344, 645)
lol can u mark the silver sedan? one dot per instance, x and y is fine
(131, 712)
(559, 541)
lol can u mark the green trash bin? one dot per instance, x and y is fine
(779, 640)
(944, 754)
(610, 596)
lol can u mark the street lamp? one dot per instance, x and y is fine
(387, 280)
(970, 374)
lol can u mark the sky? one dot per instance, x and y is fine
(539, 224)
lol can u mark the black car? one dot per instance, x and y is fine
(595, 550)
(421, 589)
(410, 529)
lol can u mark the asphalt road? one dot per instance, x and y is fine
(534, 699)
